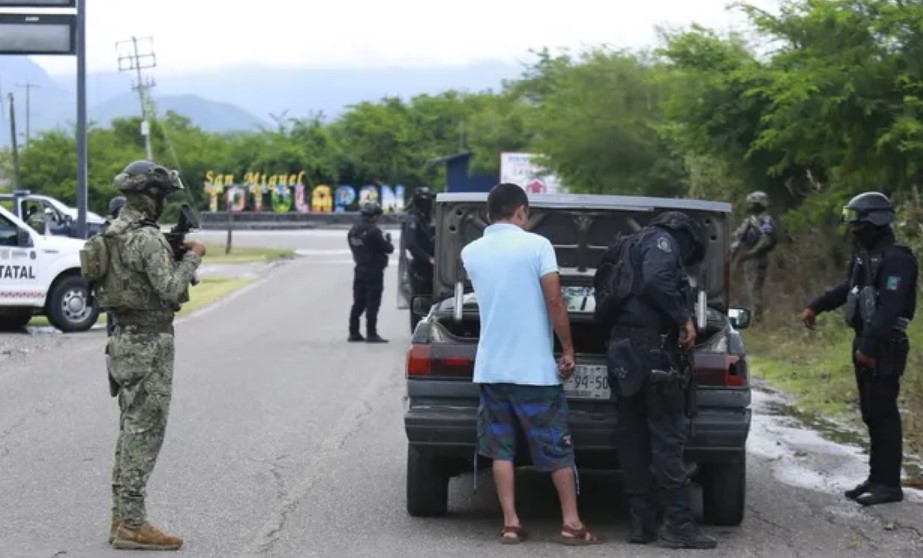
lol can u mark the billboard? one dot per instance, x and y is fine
(38, 3)
(37, 34)
(521, 168)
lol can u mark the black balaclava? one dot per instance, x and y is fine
(686, 245)
(866, 235)
(424, 206)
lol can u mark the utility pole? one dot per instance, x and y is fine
(136, 61)
(28, 86)
(15, 148)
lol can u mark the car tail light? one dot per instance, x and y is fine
(418, 360)
(432, 361)
(454, 366)
(718, 370)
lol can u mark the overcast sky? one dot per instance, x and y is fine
(195, 35)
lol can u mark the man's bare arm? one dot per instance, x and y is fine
(557, 310)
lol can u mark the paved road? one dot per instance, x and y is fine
(285, 442)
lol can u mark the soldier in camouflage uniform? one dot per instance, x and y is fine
(753, 241)
(141, 286)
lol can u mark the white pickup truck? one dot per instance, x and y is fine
(40, 275)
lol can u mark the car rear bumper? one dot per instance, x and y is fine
(718, 434)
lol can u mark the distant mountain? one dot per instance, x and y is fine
(264, 91)
(238, 98)
(209, 115)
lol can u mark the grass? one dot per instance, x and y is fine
(816, 367)
(245, 254)
(208, 291)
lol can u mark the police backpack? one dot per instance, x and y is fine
(615, 277)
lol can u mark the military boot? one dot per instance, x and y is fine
(859, 490)
(144, 537)
(685, 536)
(679, 530)
(881, 495)
(113, 528)
(643, 522)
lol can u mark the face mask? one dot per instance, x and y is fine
(864, 234)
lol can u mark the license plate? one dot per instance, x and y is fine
(589, 381)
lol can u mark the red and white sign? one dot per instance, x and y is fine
(521, 168)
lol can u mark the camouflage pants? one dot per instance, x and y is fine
(756, 271)
(142, 365)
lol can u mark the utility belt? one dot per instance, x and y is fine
(662, 341)
(149, 322)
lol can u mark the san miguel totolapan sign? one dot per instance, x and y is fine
(283, 193)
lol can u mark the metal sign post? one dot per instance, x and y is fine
(54, 34)
(82, 193)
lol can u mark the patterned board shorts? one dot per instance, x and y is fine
(538, 412)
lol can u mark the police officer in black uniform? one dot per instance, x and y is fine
(643, 300)
(115, 205)
(370, 247)
(417, 238)
(880, 297)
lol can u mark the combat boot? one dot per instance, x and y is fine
(144, 537)
(686, 536)
(643, 522)
(113, 528)
(881, 495)
(862, 488)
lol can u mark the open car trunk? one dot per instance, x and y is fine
(580, 228)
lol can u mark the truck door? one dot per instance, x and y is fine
(19, 268)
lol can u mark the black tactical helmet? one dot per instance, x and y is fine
(678, 221)
(423, 194)
(149, 178)
(370, 209)
(115, 205)
(869, 207)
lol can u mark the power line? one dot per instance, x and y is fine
(133, 60)
(29, 86)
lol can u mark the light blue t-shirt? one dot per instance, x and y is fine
(516, 344)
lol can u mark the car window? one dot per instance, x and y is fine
(8, 232)
(55, 213)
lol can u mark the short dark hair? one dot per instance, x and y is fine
(504, 199)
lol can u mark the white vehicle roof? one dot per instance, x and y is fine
(57, 204)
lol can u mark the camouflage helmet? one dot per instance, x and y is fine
(147, 177)
(758, 198)
(115, 205)
(869, 207)
(370, 209)
(679, 221)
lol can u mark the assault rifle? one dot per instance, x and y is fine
(187, 222)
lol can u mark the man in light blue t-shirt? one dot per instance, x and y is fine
(515, 279)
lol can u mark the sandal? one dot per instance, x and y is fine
(519, 533)
(579, 537)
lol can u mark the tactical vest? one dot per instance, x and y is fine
(117, 277)
(862, 301)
